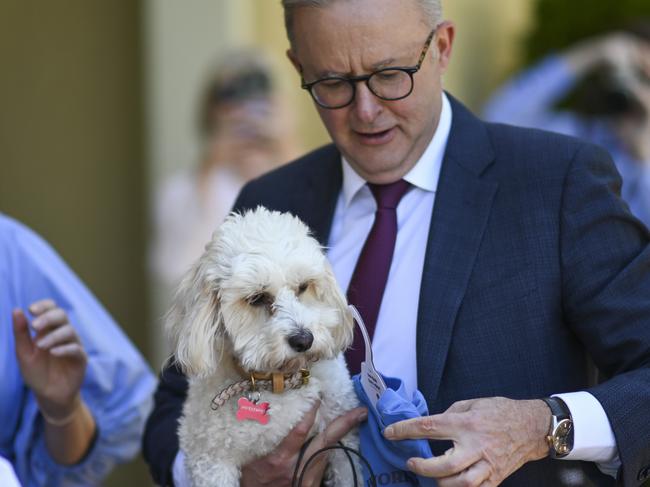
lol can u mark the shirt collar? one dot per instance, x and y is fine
(426, 172)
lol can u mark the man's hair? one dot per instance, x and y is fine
(432, 10)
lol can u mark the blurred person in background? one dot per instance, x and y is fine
(593, 82)
(244, 133)
(75, 392)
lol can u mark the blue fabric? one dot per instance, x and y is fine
(118, 383)
(388, 458)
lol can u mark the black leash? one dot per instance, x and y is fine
(340, 446)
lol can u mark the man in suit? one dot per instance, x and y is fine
(513, 262)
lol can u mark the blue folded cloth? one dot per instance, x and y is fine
(388, 458)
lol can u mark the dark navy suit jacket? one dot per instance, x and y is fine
(534, 267)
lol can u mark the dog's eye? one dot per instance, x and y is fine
(260, 299)
(302, 288)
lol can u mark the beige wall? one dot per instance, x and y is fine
(486, 46)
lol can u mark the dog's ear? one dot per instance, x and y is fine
(194, 323)
(343, 335)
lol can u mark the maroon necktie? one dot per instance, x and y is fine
(371, 272)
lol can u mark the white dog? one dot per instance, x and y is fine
(262, 301)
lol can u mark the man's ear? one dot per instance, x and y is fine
(294, 60)
(444, 41)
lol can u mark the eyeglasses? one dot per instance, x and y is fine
(393, 83)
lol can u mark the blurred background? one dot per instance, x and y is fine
(106, 118)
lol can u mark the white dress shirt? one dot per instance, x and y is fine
(393, 343)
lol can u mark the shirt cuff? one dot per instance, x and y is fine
(593, 438)
(179, 474)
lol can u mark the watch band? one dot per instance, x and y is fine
(558, 408)
(560, 434)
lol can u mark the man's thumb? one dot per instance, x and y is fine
(24, 343)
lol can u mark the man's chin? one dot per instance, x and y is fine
(380, 170)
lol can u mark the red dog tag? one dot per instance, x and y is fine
(249, 410)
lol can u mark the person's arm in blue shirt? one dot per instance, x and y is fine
(117, 385)
(529, 98)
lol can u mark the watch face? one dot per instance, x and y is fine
(561, 436)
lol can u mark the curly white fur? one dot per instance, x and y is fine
(261, 280)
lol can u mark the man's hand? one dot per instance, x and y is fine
(53, 363)
(276, 469)
(492, 439)
(616, 49)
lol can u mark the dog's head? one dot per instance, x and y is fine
(262, 291)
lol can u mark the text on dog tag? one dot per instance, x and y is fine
(248, 410)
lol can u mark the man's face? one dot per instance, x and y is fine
(381, 139)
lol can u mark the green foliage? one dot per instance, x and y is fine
(560, 23)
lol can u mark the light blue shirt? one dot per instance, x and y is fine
(529, 101)
(118, 385)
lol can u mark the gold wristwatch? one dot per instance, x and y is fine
(560, 433)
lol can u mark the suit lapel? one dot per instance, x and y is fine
(461, 211)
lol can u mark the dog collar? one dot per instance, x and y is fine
(261, 382)
(277, 379)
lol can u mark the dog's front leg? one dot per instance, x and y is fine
(340, 468)
(206, 472)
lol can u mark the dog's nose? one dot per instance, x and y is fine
(301, 341)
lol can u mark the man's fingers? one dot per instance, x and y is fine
(59, 336)
(51, 318)
(24, 343)
(40, 307)
(477, 475)
(452, 463)
(298, 435)
(439, 426)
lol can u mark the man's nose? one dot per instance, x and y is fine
(366, 105)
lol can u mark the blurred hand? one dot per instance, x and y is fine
(622, 51)
(53, 363)
(276, 469)
(628, 57)
(492, 438)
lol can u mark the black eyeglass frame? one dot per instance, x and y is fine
(353, 80)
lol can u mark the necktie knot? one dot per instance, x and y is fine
(389, 195)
